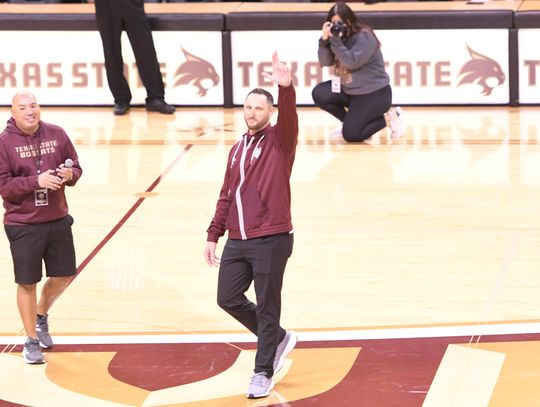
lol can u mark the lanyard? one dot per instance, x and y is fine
(37, 149)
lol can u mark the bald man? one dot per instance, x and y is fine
(37, 162)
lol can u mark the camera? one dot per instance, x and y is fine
(338, 29)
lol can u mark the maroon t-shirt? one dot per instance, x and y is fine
(21, 156)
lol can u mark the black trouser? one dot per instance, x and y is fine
(362, 115)
(114, 16)
(261, 260)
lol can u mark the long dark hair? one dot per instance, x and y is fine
(348, 16)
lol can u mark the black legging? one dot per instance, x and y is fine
(362, 115)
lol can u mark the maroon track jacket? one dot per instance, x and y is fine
(255, 199)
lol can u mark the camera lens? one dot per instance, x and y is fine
(338, 28)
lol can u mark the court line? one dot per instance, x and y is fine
(463, 328)
(304, 336)
(496, 288)
(128, 214)
(9, 346)
(467, 362)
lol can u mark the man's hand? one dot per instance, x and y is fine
(65, 172)
(210, 254)
(281, 74)
(49, 180)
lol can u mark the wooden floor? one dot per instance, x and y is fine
(434, 235)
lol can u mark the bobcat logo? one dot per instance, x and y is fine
(197, 72)
(483, 71)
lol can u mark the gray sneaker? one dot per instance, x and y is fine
(260, 386)
(42, 331)
(284, 348)
(32, 352)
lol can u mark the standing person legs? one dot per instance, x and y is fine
(110, 25)
(30, 245)
(142, 43)
(269, 257)
(34, 315)
(263, 261)
(52, 289)
(26, 303)
(235, 277)
(60, 264)
(27, 245)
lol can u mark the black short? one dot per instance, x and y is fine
(51, 242)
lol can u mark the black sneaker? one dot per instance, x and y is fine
(120, 109)
(158, 105)
(32, 352)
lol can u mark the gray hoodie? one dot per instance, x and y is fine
(360, 62)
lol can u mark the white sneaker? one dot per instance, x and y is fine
(396, 122)
(260, 386)
(284, 348)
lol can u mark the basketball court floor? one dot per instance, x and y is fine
(414, 279)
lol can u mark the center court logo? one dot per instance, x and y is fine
(197, 72)
(483, 71)
(117, 380)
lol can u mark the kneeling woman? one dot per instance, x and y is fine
(359, 94)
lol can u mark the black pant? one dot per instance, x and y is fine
(362, 115)
(114, 16)
(261, 260)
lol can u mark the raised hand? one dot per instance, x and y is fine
(280, 72)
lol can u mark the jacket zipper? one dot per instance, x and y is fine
(237, 194)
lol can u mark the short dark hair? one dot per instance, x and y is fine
(260, 91)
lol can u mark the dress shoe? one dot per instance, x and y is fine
(120, 109)
(158, 105)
